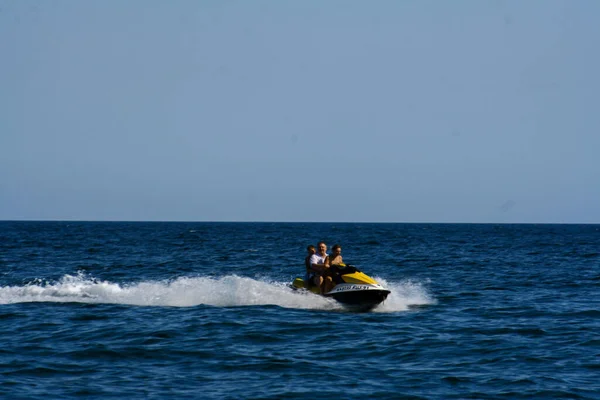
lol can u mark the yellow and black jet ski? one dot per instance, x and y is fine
(352, 288)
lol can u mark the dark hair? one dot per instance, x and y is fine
(336, 246)
(310, 247)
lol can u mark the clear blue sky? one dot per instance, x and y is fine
(384, 111)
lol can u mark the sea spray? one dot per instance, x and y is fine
(403, 295)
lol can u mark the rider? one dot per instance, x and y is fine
(317, 264)
(336, 256)
(310, 273)
(335, 260)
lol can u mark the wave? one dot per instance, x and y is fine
(227, 291)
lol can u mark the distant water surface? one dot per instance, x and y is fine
(203, 310)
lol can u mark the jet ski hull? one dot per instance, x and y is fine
(359, 295)
(354, 289)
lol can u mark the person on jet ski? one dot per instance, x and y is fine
(318, 266)
(310, 274)
(336, 257)
(335, 260)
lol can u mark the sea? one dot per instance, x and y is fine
(204, 310)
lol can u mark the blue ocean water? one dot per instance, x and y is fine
(203, 310)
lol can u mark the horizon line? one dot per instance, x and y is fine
(299, 222)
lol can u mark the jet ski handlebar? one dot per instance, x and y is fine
(342, 269)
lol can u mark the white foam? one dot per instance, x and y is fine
(227, 291)
(404, 295)
(183, 292)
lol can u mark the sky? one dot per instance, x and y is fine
(333, 111)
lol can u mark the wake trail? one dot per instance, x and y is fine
(227, 291)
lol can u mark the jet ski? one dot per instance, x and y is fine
(353, 288)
